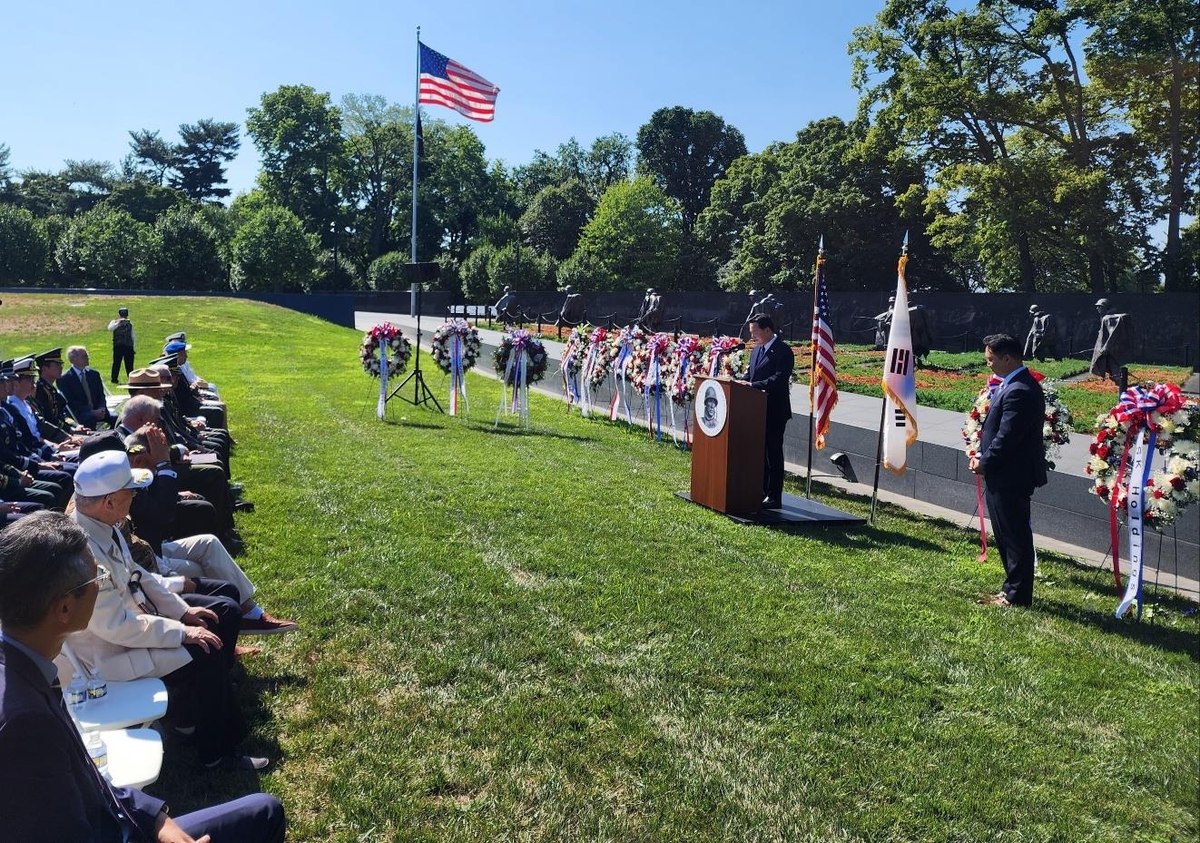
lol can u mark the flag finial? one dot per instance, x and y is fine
(821, 245)
(904, 245)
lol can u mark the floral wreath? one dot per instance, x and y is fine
(724, 356)
(574, 351)
(399, 349)
(656, 349)
(598, 357)
(440, 345)
(520, 340)
(1056, 427)
(687, 369)
(1175, 422)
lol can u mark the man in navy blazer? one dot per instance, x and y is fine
(771, 366)
(84, 390)
(49, 788)
(1012, 461)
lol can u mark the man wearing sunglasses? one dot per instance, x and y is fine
(49, 787)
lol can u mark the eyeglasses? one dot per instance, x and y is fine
(100, 578)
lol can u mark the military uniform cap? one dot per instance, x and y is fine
(180, 336)
(50, 357)
(24, 367)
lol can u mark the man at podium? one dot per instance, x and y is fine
(770, 370)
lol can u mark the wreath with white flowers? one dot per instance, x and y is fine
(687, 369)
(1056, 426)
(441, 346)
(652, 368)
(724, 356)
(1175, 421)
(597, 358)
(574, 351)
(520, 341)
(399, 349)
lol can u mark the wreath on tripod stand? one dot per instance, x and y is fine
(388, 336)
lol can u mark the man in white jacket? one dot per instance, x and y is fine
(140, 628)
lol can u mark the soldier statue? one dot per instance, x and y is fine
(1114, 342)
(1042, 341)
(506, 308)
(650, 316)
(573, 310)
(883, 325)
(921, 328)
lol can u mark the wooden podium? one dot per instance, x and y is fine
(727, 465)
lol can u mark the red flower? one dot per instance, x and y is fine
(1102, 451)
(1102, 491)
(975, 415)
(1092, 449)
(1150, 481)
(1158, 494)
(1178, 483)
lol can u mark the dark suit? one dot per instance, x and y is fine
(81, 402)
(50, 790)
(1013, 463)
(771, 371)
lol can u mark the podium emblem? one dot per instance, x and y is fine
(711, 409)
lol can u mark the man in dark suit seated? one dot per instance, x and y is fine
(84, 390)
(49, 788)
(1012, 460)
(770, 370)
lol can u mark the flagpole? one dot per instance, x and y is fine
(416, 123)
(883, 415)
(812, 371)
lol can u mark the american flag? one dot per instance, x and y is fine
(446, 82)
(822, 383)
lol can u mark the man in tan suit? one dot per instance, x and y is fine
(140, 628)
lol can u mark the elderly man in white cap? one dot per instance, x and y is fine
(140, 628)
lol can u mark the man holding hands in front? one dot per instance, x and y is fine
(1012, 461)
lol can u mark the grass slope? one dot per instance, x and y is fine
(511, 636)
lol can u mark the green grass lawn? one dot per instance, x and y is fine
(527, 636)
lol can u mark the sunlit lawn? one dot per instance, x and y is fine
(527, 636)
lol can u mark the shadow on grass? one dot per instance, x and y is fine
(508, 430)
(412, 424)
(1144, 632)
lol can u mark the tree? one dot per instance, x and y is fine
(387, 272)
(187, 253)
(144, 200)
(271, 251)
(377, 176)
(298, 132)
(971, 89)
(604, 164)
(685, 152)
(555, 218)
(150, 155)
(105, 247)
(1144, 55)
(23, 248)
(200, 156)
(456, 190)
(769, 210)
(631, 243)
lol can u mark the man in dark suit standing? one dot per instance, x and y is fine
(84, 390)
(1012, 461)
(771, 367)
(49, 787)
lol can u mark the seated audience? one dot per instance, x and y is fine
(84, 390)
(50, 791)
(140, 628)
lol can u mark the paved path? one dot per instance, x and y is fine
(943, 427)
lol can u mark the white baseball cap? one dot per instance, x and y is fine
(107, 472)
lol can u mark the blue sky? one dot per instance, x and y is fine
(80, 75)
